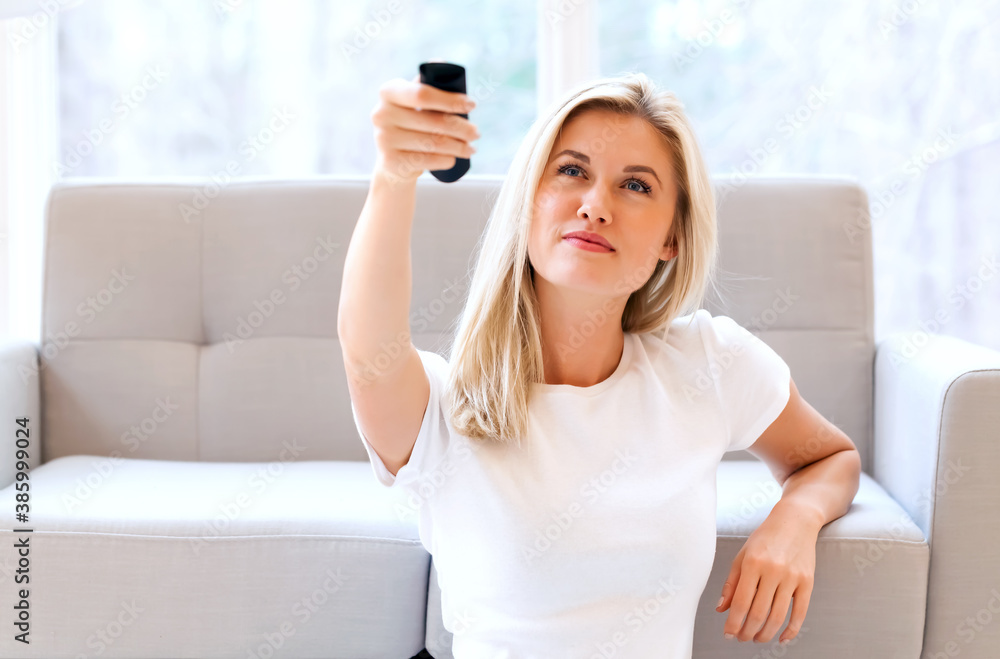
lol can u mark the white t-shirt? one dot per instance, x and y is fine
(595, 539)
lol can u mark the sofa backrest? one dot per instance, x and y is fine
(193, 321)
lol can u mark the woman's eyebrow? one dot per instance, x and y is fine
(630, 168)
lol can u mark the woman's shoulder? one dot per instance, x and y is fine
(701, 336)
(678, 346)
(683, 333)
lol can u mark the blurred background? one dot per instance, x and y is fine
(904, 96)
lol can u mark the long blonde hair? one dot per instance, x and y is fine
(497, 351)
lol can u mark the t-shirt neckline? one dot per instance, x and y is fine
(619, 373)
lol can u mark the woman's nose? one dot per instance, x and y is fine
(595, 205)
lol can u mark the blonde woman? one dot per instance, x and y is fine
(563, 462)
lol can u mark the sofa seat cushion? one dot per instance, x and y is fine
(135, 557)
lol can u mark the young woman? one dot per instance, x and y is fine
(562, 463)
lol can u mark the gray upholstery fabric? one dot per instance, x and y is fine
(195, 451)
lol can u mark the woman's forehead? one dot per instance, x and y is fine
(597, 133)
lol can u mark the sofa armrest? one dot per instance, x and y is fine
(937, 452)
(19, 398)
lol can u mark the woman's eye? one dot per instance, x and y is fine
(643, 187)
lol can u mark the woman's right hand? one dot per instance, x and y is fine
(417, 127)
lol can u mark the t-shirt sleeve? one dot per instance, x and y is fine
(432, 439)
(753, 382)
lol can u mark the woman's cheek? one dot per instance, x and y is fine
(546, 198)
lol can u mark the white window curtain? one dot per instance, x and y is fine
(29, 134)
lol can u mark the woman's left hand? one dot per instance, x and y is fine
(777, 563)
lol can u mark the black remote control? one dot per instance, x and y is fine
(450, 78)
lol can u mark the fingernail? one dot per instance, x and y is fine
(721, 600)
(783, 642)
(730, 636)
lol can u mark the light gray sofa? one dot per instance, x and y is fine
(198, 487)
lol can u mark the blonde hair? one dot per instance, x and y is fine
(497, 351)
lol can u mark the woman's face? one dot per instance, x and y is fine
(598, 180)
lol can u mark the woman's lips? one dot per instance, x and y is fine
(590, 247)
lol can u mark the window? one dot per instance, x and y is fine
(897, 94)
(186, 87)
(900, 95)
